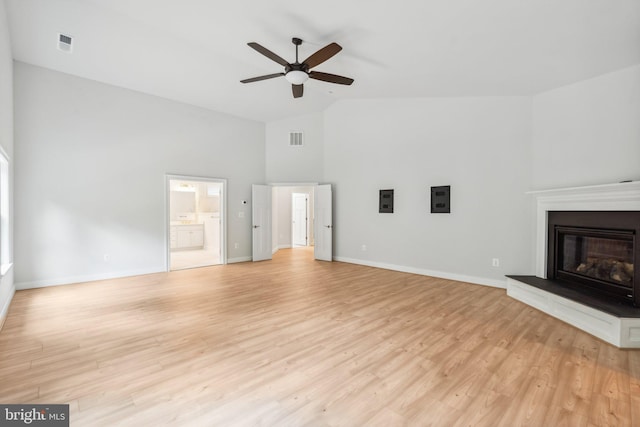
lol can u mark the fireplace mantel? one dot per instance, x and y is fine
(624, 196)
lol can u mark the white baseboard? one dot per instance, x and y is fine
(239, 259)
(94, 277)
(90, 278)
(5, 308)
(80, 279)
(277, 248)
(502, 284)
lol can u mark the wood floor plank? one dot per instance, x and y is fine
(295, 342)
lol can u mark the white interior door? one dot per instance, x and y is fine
(299, 219)
(261, 222)
(323, 223)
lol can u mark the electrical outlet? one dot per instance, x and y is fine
(241, 214)
(364, 248)
(106, 257)
(236, 245)
(495, 262)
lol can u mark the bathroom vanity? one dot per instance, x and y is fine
(187, 236)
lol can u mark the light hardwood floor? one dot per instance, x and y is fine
(294, 342)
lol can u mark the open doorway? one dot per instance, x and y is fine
(272, 204)
(293, 218)
(195, 222)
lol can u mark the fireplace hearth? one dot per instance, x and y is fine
(595, 252)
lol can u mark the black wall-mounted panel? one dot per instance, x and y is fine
(386, 201)
(441, 199)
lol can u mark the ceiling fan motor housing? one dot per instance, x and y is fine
(296, 67)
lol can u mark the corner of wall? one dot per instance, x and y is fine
(7, 288)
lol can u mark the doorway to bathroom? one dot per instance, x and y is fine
(195, 213)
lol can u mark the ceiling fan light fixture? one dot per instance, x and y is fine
(296, 77)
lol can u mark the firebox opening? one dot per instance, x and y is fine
(600, 255)
(595, 252)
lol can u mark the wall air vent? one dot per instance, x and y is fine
(295, 139)
(65, 43)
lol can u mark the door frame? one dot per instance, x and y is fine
(167, 215)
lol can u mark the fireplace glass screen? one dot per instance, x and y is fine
(606, 257)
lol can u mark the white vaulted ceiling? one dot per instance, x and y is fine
(195, 51)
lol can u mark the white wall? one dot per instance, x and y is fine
(295, 164)
(479, 146)
(588, 132)
(90, 168)
(6, 142)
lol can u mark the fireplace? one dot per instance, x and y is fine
(587, 244)
(595, 252)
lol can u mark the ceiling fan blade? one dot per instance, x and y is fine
(297, 90)
(257, 79)
(322, 55)
(266, 52)
(331, 78)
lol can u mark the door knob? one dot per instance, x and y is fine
(256, 226)
(328, 226)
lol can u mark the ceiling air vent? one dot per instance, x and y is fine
(295, 139)
(65, 42)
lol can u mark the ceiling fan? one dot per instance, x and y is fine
(298, 72)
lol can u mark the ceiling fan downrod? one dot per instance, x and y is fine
(297, 42)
